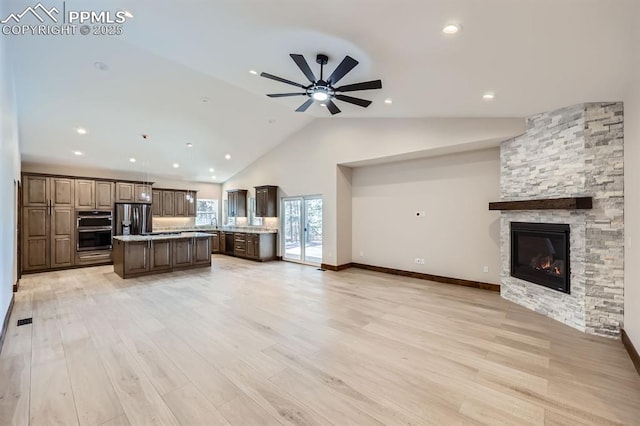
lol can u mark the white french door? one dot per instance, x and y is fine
(302, 229)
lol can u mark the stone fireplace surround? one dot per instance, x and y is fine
(571, 152)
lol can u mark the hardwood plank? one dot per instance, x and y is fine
(51, 395)
(191, 408)
(139, 399)
(95, 399)
(15, 377)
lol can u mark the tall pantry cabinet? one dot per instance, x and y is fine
(48, 215)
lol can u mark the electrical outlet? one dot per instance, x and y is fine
(421, 261)
(420, 213)
(485, 269)
(361, 254)
(416, 260)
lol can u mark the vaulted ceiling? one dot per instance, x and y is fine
(173, 56)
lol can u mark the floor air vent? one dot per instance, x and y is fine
(25, 321)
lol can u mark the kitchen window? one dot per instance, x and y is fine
(206, 212)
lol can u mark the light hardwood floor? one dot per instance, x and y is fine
(278, 343)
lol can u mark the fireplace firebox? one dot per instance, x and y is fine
(540, 254)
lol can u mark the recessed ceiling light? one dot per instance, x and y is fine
(176, 165)
(228, 156)
(128, 14)
(254, 72)
(211, 170)
(81, 131)
(101, 66)
(132, 160)
(451, 29)
(213, 177)
(488, 96)
(388, 101)
(78, 153)
(189, 145)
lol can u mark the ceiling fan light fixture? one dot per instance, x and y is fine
(320, 96)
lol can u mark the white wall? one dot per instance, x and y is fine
(9, 175)
(306, 162)
(632, 197)
(458, 235)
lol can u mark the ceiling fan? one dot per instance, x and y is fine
(322, 90)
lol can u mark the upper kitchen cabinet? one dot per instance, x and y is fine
(104, 195)
(125, 192)
(168, 204)
(237, 203)
(191, 204)
(266, 201)
(43, 191)
(143, 194)
(92, 194)
(156, 202)
(85, 194)
(180, 200)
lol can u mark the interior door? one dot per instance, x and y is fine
(302, 229)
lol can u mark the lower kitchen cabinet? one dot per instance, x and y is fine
(161, 255)
(183, 252)
(254, 246)
(215, 242)
(136, 258)
(48, 236)
(201, 251)
(137, 255)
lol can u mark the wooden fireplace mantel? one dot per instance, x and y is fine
(570, 203)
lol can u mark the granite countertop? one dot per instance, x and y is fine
(165, 236)
(246, 230)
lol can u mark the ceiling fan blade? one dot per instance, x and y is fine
(347, 64)
(356, 101)
(281, 80)
(304, 67)
(282, 95)
(333, 109)
(367, 85)
(304, 106)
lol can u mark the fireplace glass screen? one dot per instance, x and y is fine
(540, 254)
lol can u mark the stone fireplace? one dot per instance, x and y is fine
(571, 152)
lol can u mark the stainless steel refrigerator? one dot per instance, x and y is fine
(133, 219)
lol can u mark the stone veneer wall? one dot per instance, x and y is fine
(571, 152)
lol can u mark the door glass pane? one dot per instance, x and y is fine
(313, 230)
(291, 229)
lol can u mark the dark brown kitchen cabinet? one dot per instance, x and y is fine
(62, 192)
(104, 195)
(156, 202)
(215, 241)
(191, 204)
(47, 225)
(168, 203)
(143, 193)
(201, 251)
(63, 250)
(183, 252)
(35, 191)
(223, 242)
(137, 255)
(85, 194)
(125, 192)
(180, 203)
(36, 239)
(251, 245)
(239, 244)
(161, 255)
(43, 191)
(237, 203)
(266, 201)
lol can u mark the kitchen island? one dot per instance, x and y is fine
(137, 255)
